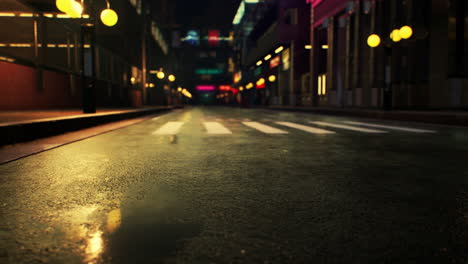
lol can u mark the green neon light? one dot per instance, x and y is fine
(208, 71)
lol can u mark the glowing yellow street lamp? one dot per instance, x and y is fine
(64, 5)
(160, 75)
(241, 88)
(395, 35)
(171, 78)
(76, 10)
(373, 40)
(271, 78)
(406, 32)
(109, 17)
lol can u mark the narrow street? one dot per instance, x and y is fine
(230, 185)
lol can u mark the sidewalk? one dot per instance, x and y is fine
(457, 118)
(20, 126)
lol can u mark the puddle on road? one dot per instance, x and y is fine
(151, 229)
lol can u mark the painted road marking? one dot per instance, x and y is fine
(170, 128)
(216, 128)
(305, 128)
(365, 130)
(264, 128)
(407, 129)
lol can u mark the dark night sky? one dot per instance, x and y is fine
(202, 13)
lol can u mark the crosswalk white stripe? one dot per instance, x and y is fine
(365, 130)
(305, 128)
(170, 128)
(407, 129)
(216, 128)
(264, 128)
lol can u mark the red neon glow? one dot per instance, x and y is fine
(205, 88)
(213, 38)
(274, 62)
(234, 90)
(225, 88)
(314, 2)
(260, 86)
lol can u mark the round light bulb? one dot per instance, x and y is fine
(171, 78)
(272, 78)
(109, 17)
(76, 10)
(64, 5)
(373, 40)
(406, 32)
(160, 75)
(395, 35)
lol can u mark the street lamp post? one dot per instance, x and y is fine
(375, 41)
(88, 62)
(88, 68)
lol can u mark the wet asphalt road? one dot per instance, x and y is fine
(135, 195)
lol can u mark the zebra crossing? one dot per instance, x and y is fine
(284, 127)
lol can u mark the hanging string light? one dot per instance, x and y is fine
(75, 9)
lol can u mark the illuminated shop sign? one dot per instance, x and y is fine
(208, 71)
(274, 62)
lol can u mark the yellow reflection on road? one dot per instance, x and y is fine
(94, 247)
(114, 219)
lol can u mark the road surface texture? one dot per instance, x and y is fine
(229, 185)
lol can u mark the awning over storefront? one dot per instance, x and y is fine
(328, 8)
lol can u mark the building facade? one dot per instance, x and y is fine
(332, 64)
(272, 51)
(426, 71)
(46, 57)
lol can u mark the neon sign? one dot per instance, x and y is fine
(205, 88)
(208, 71)
(314, 2)
(225, 88)
(213, 38)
